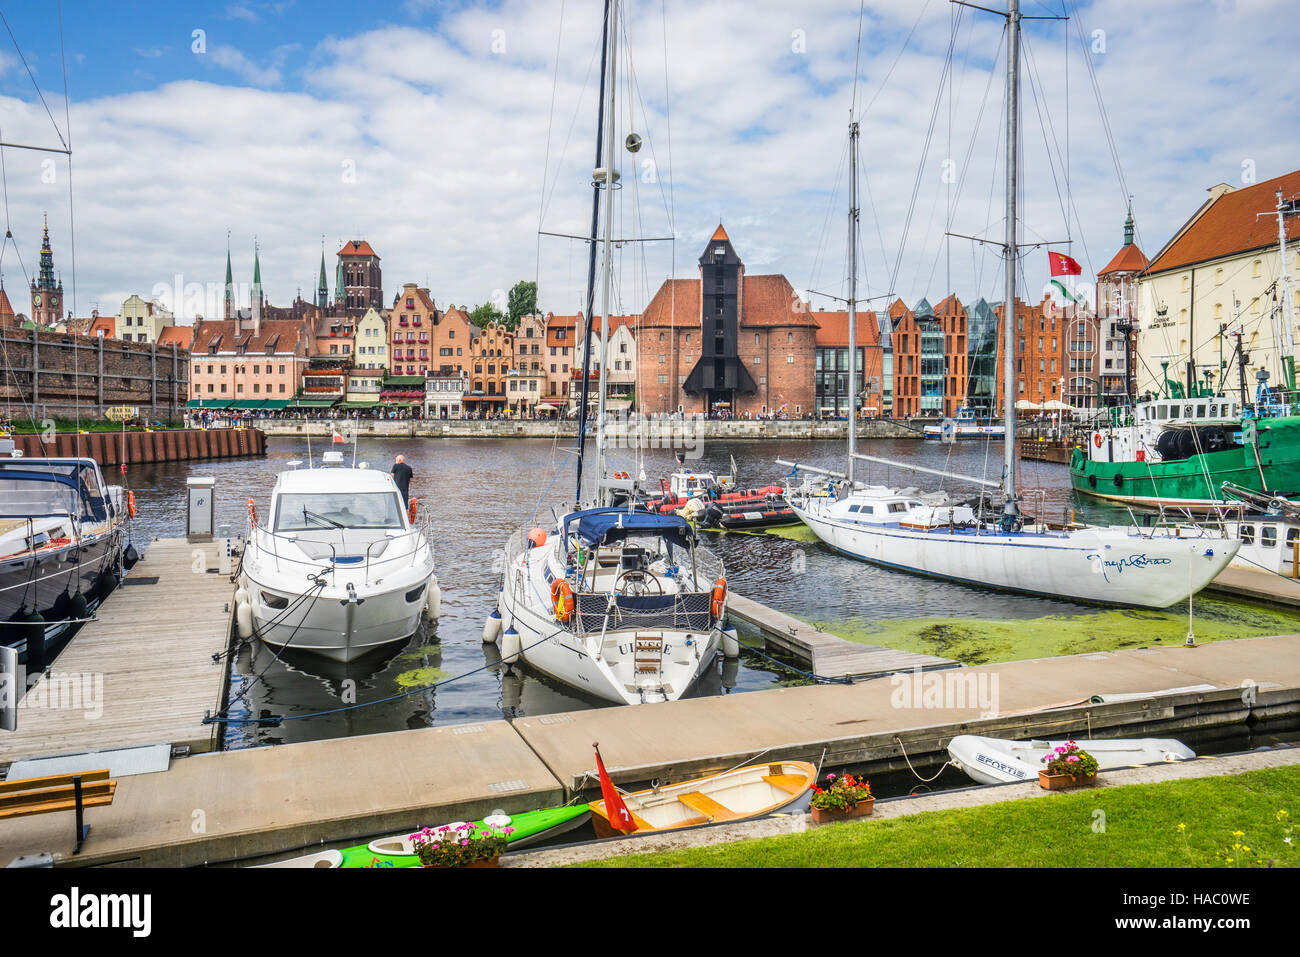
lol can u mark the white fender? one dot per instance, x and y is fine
(244, 620)
(433, 598)
(492, 627)
(510, 645)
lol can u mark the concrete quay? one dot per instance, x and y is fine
(255, 802)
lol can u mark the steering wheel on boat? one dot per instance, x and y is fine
(636, 582)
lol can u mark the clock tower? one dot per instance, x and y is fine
(47, 295)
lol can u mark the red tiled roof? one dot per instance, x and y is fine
(284, 334)
(357, 247)
(765, 301)
(107, 324)
(182, 336)
(677, 303)
(6, 309)
(1128, 259)
(1230, 225)
(833, 329)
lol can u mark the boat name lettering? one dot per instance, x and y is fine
(1105, 566)
(999, 766)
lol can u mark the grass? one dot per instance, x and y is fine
(976, 641)
(1239, 820)
(31, 426)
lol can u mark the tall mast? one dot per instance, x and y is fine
(853, 297)
(1284, 289)
(1010, 509)
(591, 260)
(611, 178)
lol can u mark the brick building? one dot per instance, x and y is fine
(493, 358)
(234, 361)
(1041, 353)
(930, 357)
(562, 333)
(359, 284)
(832, 364)
(413, 316)
(727, 343)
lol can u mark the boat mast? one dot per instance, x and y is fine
(1010, 508)
(853, 297)
(610, 176)
(591, 260)
(1284, 288)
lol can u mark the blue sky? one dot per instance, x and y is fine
(445, 133)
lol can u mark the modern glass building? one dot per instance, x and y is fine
(982, 349)
(933, 369)
(832, 379)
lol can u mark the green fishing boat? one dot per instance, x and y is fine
(1179, 451)
(529, 828)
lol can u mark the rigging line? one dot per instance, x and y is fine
(890, 72)
(672, 284)
(635, 85)
(23, 57)
(920, 166)
(573, 121)
(1101, 106)
(857, 58)
(1044, 125)
(546, 163)
(814, 276)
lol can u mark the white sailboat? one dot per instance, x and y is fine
(1122, 565)
(624, 605)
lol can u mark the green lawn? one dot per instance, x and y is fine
(1235, 821)
(31, 426)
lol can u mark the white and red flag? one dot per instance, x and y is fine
(620, 818)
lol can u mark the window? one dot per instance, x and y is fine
(789, 359)
(1247, 534)
(1267, 536)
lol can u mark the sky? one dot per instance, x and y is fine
(448, 134)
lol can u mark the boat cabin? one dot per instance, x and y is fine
(1172, 412)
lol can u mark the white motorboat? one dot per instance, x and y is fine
(964, 425)
(624, 605)
(338, 567)
(1142, 567)
(996, 761)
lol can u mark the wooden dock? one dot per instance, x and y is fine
(825, 654)
(142, 671)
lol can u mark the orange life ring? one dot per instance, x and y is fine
(410, 512)
(130, 504)
(252, 512)
(1096, 439)
(719, 597)
(562, 597)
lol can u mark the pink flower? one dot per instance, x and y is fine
(464, 843)
(1060, 750)
(1072, 758)
(830, 777)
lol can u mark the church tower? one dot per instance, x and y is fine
(323, 289)
(229, 312)
(47, 295)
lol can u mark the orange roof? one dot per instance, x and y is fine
(5, 308)
(105, 324)
(357, 247)
(833, 329)
(1230, 225)
(181, 336)
(720, 233)
(765, 301)
(1128, 259)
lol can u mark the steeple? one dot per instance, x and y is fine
(1128, 225)
(256, 302)
(46, 277)
(340, 293)
(230, 285)
(323, 289)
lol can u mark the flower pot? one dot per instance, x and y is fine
(494, 861)
(1059, 782)
(825, 815)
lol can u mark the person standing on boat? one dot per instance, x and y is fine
(402, 478)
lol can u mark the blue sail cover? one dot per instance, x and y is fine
(596, 526)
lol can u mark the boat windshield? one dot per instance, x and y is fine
(300, 512)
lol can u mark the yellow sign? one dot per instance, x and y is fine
(120, 413)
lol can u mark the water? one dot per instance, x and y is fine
(476, 492)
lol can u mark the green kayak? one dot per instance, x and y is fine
(529, 828)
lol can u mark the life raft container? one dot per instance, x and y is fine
(410, 512)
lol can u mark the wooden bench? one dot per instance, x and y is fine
(794, 784)
(711, 809)
(61, 792)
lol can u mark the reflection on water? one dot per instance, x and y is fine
(476, 492)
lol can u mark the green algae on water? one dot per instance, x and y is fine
(419, 678)
(977, 641)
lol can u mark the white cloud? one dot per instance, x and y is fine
(448, 140)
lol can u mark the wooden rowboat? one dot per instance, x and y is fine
(731, 796)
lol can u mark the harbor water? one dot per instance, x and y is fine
(476, 492)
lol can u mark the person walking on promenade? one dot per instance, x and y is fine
(402, 478)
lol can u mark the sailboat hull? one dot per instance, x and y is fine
(1110, 566)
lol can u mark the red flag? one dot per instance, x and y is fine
(338, 439)
(620, 818)
(1063, 265)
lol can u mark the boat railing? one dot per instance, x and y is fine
(370, 563)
